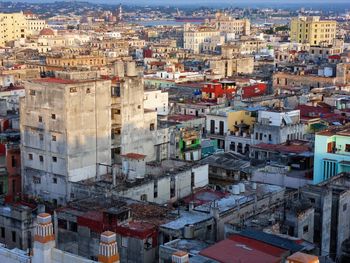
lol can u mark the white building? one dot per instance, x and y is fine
(156, 100)
(194, 38)
(65, 131)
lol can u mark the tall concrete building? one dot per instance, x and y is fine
(134, 127)
(66, 132)
(12, 27)
(311, 30)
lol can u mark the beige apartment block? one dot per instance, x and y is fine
(312, 30)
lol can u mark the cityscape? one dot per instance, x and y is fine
(175, 131)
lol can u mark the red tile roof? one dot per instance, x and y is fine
(239, 250)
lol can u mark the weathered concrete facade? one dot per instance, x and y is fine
(65, 130)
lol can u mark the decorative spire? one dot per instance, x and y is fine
(108, 248)
(180, 257)
(44, 230)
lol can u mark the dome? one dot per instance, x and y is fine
(47, 32)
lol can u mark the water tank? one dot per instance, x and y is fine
(235, 189)
(241, 187)
(254, 186)
(189, 231)
(328, 72)
(119, 69)
(125, 167)
(131, 69)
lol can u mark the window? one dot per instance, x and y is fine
(172, 187)
(36, 180)
(2, 232)
(53, 116)
(151, 127)
(155, 189)
(13, 236)
(73, 227)
(347, 147)
(41, 158)
(312, 200)
(305, 229)
(345, 206)
(32, 92)
(13, 161)
(124, 241)
(40, 119)
(72, 90)
(270, 137)
(30, 156)
(54, 159)
(54, 138)
(62, 223)
(139, 106)
(192, 179)
(41, 137)
(88, 90)
(143, 197)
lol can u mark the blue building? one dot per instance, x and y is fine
(332, 153)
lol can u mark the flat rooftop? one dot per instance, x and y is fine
(233, 201)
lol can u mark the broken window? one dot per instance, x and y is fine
(32, 92)
(151, 127)
(30, 156)
(40, 119)
(36, 180)
(41, 158)
(305, 229)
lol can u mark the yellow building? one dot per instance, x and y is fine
(312, 30)
(12, 27)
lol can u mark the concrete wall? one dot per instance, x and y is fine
(74, 135)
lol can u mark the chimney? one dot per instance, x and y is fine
(44, 239)
(108, 248)
(44, 230)
(180, 257)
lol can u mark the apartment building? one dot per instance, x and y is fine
(312, 30)
(134, 126)
(66, 131)
(194, 38)
(332, 153)
(12, 27)
(278, 126)
(227, 24)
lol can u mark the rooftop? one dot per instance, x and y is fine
(186, 218)
(243, 250)
(234, 201)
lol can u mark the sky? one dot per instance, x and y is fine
(203, 2)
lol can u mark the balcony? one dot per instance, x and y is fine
(192, 147)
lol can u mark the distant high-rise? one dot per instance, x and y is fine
(311, 30)
(120, 13)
